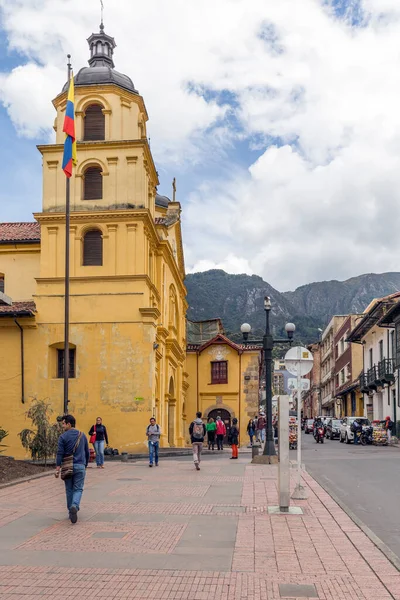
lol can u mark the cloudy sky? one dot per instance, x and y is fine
(279, 119)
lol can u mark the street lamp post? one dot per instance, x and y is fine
(267, 344)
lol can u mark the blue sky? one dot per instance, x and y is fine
(279, 120)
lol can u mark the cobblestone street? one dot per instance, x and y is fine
(172, 533)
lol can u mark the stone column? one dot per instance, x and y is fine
(131, 248)
(112, 249)
(131, 180)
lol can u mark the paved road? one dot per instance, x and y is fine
(366, 479)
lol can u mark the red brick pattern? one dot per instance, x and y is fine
(146, 490)
(140, 538)
(322, 547)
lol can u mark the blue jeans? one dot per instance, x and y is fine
(99, 449)
(153, 452)
(74, 486)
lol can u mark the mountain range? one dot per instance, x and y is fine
(239, 298)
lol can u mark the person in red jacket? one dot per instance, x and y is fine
(221, 432)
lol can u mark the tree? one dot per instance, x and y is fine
(41, 443)
(3, 434)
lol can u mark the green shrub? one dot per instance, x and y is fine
(43, 440)
(3, 434)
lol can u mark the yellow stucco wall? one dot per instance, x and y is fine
(127, 316)
(239, 396)
(20, 264)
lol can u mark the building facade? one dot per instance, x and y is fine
(312, 398)
(348, 366)
(328, 403)
(127, 304)
(224, 380)
(377, 339)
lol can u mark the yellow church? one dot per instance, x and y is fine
(128, 349)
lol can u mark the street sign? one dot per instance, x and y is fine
(305, 384)
(298, 361)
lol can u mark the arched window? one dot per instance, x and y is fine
(93, 248)
(93, 184)
(2, 282)
(94, 123)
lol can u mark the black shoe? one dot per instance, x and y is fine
(156, 464)
(150, 465)
(73, 514)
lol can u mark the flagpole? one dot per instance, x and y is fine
(66, 314)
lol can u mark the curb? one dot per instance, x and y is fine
(25, 479)
(388, 553)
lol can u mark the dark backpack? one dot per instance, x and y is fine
(390, 425)
(198, 431)
(353, 427)
(158, 428)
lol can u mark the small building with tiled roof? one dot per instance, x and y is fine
(224, 376)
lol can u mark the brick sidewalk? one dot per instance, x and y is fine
(172, 533)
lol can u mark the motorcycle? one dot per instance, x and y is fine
(366, 436)
(319, 434)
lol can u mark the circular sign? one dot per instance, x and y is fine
(299, 361)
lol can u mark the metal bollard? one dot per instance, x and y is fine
(124, 457)
(255, 451)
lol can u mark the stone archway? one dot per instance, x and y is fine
(226, 417)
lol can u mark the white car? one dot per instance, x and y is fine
(346, 435)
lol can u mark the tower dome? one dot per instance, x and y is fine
(101, 69)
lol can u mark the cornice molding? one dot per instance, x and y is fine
(150, 312)
(84, 90)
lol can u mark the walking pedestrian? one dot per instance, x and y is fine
(211, 428)
(250, 430)
(234, 438)
(389, 428)
(153, 433)
(72, 444)
(221, 432)
(261, 421)
(99, 437)
(197, 432)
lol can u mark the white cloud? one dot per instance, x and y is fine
(321, 202)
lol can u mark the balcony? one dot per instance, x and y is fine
(386, 371)
(372, 378)
(363, 383)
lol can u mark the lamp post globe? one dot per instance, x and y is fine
(290, 328)
(245, 329)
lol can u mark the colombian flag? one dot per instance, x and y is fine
(69, 158)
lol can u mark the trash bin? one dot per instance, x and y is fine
(124, 457)
(255, 451)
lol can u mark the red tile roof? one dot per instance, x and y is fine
(19, 309)
(19, 232)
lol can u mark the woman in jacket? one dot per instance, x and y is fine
(234, 438)
(211, 430)
(221, 432)
(99, 437)
(251, 430)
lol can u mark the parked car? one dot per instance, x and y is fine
(309, 426)
(346, 435)
(333, 429)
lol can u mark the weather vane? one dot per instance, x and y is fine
(102, 13)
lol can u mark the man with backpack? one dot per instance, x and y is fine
(153, 433)
(197, 432)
